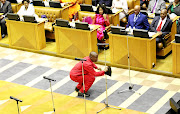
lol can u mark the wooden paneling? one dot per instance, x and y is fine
(75, 42)
(26, 35)
(142, 51)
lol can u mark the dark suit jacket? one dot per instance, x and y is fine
(141, 22)
(176, 9)
(165, 29)
(6, 8)
(106, 2)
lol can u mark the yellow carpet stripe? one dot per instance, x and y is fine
(109, 91)
(39, 78)
(133, 97)
(160, 102)
(24, 71)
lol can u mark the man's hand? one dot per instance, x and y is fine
(106, 69)
(105, 17)
(99, 69)
(1, 17)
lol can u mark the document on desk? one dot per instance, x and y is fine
(151, 34)
(91, 27)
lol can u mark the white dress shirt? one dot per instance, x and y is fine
(120, 4)
(163, 22)
(30, 11)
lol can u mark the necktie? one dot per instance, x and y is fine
(154, 6)
(159, 27)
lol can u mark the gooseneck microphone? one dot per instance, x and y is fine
(11, 97)
(50, 79)
(80, 59)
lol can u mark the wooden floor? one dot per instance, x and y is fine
(162, 65)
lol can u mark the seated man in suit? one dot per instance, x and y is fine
(161, 24)
(5, 8)
(106, 2)
(138, 20)
(155, 6)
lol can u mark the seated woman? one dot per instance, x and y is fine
(27, 9)
(72, 9)
(102, 19)
(174, 8)
(118, 5)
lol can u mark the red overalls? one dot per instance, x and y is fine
(89, 74)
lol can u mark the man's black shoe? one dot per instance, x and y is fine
(82, 94)
(3, 35)
(76, 89)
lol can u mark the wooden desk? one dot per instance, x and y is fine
(75, 42)
(26, 35)
(176, 57)
(142, 51)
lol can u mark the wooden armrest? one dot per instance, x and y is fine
(108, 28)
(117, 13)
(167, 36)
(130, 11)
(174, 19)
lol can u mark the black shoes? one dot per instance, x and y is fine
(3, 35)
(82, 94)
(76, 89)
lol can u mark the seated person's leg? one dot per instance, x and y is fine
(3, 27)
(159, 44)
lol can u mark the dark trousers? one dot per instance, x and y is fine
(3, 26)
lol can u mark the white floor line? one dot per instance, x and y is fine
(39, 78)
(109, 91)
(59, 84)
(161, 102)
(133, 97)
(24, 71)
(8, 66)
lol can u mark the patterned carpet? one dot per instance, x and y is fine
(22, 68)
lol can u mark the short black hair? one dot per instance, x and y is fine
(103, 7)
(26, 1)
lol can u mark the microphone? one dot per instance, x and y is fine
(80, 59)
(48, 78)
(102, 44)
(11, 97)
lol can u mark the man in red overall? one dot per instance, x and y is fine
(89, 73)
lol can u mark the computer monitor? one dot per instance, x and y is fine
(55, 4)
(62, 23)
(82, 25)
(141, 33)
(118, 30)
(12, 1)
(38, 3)
(109, 10)
(12, 16)
(29, 19)
(177, 38)
(85, 7)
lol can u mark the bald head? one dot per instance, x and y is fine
(93, 56)
(137, 9)
(163, 13)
